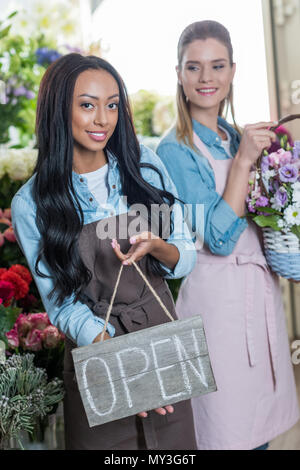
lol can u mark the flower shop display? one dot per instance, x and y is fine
(274, 205)
(26, 394)
(34, 332)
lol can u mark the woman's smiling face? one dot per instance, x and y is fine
(94, 110)
(206, 73)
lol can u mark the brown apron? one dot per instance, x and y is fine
(134, 308)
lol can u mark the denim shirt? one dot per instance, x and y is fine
(195, 182)
(75, 319)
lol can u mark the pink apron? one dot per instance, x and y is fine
(239, 300)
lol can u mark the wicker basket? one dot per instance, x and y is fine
(282, 249)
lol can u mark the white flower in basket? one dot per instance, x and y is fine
(274, 205)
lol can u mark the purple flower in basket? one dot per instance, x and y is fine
(265, 163)
(262, 202)
(288, 174)
(250, 205)
(296, 151)
(281, 197)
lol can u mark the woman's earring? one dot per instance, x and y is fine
(186, 99)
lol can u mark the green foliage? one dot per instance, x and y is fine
(19, 68)
(25, 395)
(8, 316)
(174, 285)
(143, 104)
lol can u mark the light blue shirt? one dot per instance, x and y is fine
(195, 182)
(76, 320)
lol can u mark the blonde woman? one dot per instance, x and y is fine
(231, 286)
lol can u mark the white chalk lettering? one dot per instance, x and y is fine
(185, 359)
(88, 393)
(126, 380)
(161, 369)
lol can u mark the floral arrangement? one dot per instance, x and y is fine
(15, 296)
(6, 226)
(33, 332)
(24, 57)
(26, 394)
(274, 193)
(17, 164)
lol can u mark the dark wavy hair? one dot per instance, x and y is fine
(59, 216)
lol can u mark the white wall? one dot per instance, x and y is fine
(142, 39)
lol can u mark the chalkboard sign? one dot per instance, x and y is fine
(143, 370)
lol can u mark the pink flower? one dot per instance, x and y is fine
(1, 301)
(7, 213)
(23, 324)
(40, 321)
(33, 340)
(5, 220)
(274, 159)
(9, 235)
(256, 194)
(6, 290)
(285, 157)
(13, 337)
(51, 337)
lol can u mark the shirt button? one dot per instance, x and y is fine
(112, 213)
(114, 186)
(221, 243)
(81, 179)
(91, 199)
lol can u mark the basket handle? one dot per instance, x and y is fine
(290, 117)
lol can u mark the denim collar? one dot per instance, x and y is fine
(112, 163)
(210, 138)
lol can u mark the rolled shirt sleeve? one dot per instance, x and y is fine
(181, 236)
(218, 225)
(74, 319)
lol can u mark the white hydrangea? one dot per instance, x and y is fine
(17, 163)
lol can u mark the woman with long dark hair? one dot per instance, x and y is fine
(72, 220)
(231, 286)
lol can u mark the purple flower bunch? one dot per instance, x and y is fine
(46, 56)
(14, 90)
(280, 202)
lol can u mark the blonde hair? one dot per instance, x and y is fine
(200, 30)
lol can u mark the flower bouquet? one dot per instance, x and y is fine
(26, 394)
(35, 333)
(274, 205)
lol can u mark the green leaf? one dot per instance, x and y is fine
(4, 32)
(8, 316)
(268, 210)
(14, 13)
(268, 221)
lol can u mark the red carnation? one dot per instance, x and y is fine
(22, 271)
(6, 290)
(2, 270)
(21, 287)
